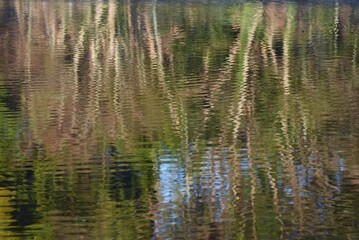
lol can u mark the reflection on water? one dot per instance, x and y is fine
(145, 120)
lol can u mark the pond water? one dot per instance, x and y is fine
(179, 120)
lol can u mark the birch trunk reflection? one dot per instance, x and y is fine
(184, 121)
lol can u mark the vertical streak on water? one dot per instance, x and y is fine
(286, 50)
(237, 188)
(49, 14)
(110, 62)
(287, 149)
(71, 8)
(111, 51)
(273, 184)
(355, 49)
(140, 58)
(253, 180)
(206, 78)
(272, 53)
(286, 153)
(175, 115)
(45, 10)
(97, 56)
(223, 77)
(61, 108)
(253, 173)
(244, 84)
(177, 111)
(118, 84)
(78, 52)
(336, 27)
(28, 53)
(158, 58)
(63, 23)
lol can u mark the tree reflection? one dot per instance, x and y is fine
(189, 121)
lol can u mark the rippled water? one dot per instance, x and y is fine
(169, 120)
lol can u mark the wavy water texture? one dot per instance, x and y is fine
(168, 120)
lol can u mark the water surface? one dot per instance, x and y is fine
(179, 120)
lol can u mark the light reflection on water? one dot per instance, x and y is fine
(145, 120)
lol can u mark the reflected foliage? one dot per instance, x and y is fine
(145, 120)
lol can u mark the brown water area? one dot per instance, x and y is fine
(179, 120)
